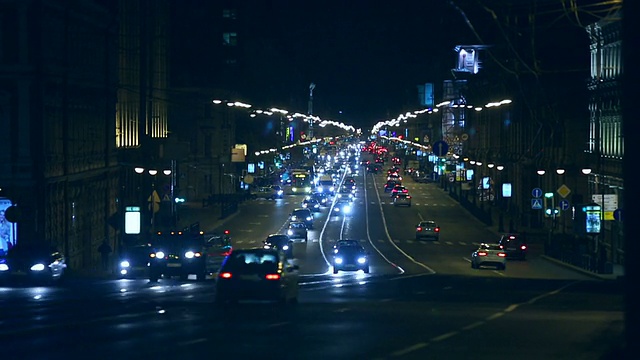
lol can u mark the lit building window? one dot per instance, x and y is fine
(230, 39)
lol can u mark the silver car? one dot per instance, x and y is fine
(427, 229)
(489, 255)
(402, 200)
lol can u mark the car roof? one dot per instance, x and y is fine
(277, 236)
(426, 222)
(485, 246)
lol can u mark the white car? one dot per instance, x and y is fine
(489, 255)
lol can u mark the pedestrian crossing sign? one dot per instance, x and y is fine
(536, 204)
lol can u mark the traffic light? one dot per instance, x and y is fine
(550, 209)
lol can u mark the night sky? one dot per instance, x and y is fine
(367, 57)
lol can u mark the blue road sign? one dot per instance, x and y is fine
(440, 148)
(536, 192)
(564, 204)
(536, 204)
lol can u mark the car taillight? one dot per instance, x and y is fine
(408, 197)
(437, 229)
(418, 229)
(523, 247)
(226, 253)
(405, 191)
(227, 232)
(482, 253)
(272, 276)
(501, 254)
(225, 275)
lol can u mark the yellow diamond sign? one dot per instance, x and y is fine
(563, 191)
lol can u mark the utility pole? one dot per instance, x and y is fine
(310, 110)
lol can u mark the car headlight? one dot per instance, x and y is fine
(337, 209)
(37, 267)
(289, 232)
(362, 260)
(189, 254)
(124, 264)
(307, 189)
(331, 188)
(285, 247)
(267, 246)
(304, 205)
(4, 267)
(309, 218)
(159, 255)
(339, 195)
(338, 260)
(280, 192)
(347, 209)
(335, 251)
(293, 218)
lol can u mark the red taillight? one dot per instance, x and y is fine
(225, 275)
(501, 254)
(226, 253)
(272, 276)
(523, 247)
(482, 253)
(418, 229)
(408, 197)
(227, 232)
(437, 229)
(405, 191)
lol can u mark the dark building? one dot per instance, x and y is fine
(58, 66)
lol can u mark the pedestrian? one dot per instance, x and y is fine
(105, 250)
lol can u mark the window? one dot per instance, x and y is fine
(230, 39)
(229, 13)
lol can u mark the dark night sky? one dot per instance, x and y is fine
(367, 57)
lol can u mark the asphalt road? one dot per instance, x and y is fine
(421, 300)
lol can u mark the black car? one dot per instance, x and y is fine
(133, 261)
(178, 254)
(281, 242)
(304, 215)
(350, 258)
(257, 274)
(32, 263)
(514, 245)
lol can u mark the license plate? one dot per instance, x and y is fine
(174, 265)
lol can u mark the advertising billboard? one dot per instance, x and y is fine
(7, 229)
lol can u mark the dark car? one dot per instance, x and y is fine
(311, 203)
(133, 261)
(217, 247)
(514, 245)
(304, 215)
(391, 184)
(322, 198)
(298, 231)
(257, 274)
(178, 254)
(33, 263)
(350, 258)
(281, 242)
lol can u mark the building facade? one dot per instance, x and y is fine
(57, 91)
(605, 145)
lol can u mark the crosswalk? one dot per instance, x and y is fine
(396, 241)
(390, 203)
